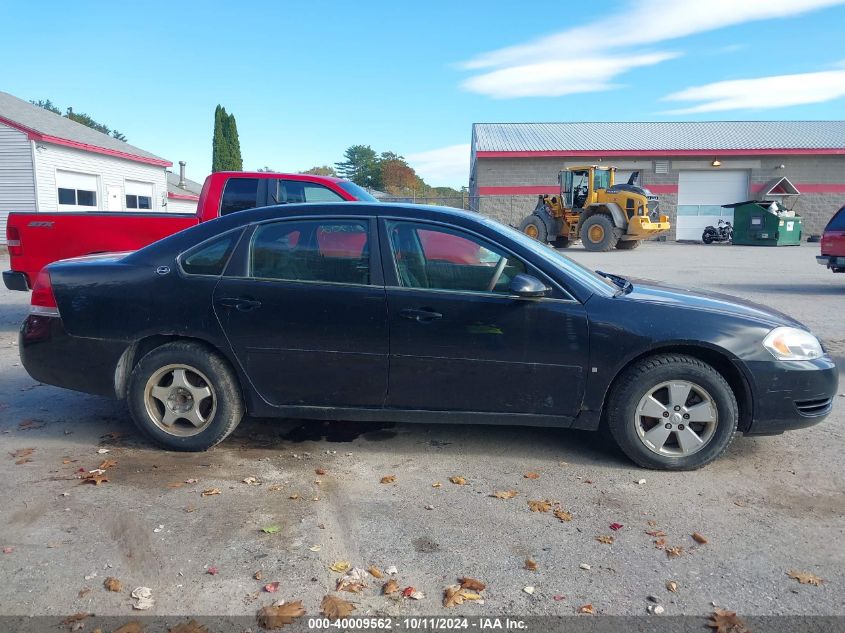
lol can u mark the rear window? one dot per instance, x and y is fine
(837, 222)
(210, 258)
(239, 194)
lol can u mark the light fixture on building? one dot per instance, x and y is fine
(716, 163)
(41, 148)
(781, 166)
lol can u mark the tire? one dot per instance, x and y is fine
(533, 226)
(717, 410)
(707, 237)
(598, 233)
(628, 245)
(562, 242)
(193, 381)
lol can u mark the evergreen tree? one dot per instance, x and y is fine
(218, 141)
(236, 162)
(361, 166)
(225, 145)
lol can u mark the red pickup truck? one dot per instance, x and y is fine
(833, 243)
(37, 239)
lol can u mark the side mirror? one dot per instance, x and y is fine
(528, 287)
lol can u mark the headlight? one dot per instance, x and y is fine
(789, 343)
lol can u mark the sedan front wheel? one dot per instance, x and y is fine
(672, 412)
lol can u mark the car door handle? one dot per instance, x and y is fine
(422, 316)
(243, 304)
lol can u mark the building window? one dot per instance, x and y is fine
(139, 195)
(138, 202)
(76, 192)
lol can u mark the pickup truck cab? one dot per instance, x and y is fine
(833, 243)
(37, 239)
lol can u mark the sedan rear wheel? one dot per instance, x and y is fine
(672, 412)
(184, 396)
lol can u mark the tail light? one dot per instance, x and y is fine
(13, 241)
(43, 300)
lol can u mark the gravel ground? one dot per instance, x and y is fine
(770, 505)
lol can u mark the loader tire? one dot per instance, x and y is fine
(533, 226)
(598, 233)
(627, 245)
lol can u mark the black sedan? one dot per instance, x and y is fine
(414, 314)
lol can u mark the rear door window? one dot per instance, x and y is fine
(837, 222)
(293, 191)
(239, 194)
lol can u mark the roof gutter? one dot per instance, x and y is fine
(658, 152)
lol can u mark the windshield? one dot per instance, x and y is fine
(582, 274)
(601, 179)
(360, 193)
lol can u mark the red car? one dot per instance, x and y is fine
(833, 243)
(37, 239)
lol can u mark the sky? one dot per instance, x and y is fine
(305, 80)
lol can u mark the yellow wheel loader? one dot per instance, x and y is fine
(592, 208)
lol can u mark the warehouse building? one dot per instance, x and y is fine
(693, 167)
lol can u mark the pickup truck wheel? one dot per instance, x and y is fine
(672, 412)
(184, 397)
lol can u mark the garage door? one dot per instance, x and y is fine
(701, 195)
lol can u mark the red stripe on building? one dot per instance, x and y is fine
(660, 152)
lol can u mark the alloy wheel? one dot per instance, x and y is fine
(180, 400)
(676, 418)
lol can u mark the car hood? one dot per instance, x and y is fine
(656, 292)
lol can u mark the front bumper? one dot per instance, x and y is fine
(831, 261)
(791, 394)
(15, 280)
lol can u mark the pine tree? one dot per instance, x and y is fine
(218, 142)
(225, 145)
(236, 162)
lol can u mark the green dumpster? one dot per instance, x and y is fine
(765, 223)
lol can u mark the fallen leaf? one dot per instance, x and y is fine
(113, 584)
(558, 598)
(587, 608)
(391, 571)
(725, 621)
(458, 480)
(504, 494)
(271, 587)
(130, 627)
(531, 475)
(563, 515)
(672, 586)
(275, 488)
(23, 460)
(540, 506)
(805, 577)
(191, 626)
(212, 571)
(210, 492)
(191, 481)
(94, 478)
(258, 575)
(175, 484)
(530, 564)
(76, 617)
(699, 538)
(415, 594)
(108, 463)
(606, 540)
(251, 481)
(271, 529)
(529, 590)
(616, 526)
(388, 479)
(143, 598)
(354, 581)
(22, 452)
(340, 566)
(660, 543)
(28, 425)
(315, 548)
(334, 608)
(674, 552)
(375, 572)
(453, 595)
(655, 532)
(320, 471)
(436, 484)
(407, 591)
(472, 584)
(585, 566)
(276, 616)
(294, 496)
(83, 592)
(390, 587)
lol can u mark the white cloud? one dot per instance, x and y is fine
(762, 92)
(620, 36)
(443, 167)
(555, 78)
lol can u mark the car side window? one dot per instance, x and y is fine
(428, 256)
(239, 194)
(292, 191)
(335, 251)
(210, 258)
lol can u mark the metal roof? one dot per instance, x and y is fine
(53, 127)
(656, 136)
(191, 188)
